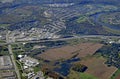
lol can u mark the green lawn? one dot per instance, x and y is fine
(4, 25)
(77, 75)
(81, 19)
(87, 76)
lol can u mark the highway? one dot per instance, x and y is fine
(12, 57)
(64, 39)
(59, 39)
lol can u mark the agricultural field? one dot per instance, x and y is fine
(98, 68)
(67, 52)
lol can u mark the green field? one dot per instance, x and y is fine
(81, 19)
(87, 76)
(4, 25)
(77, 75)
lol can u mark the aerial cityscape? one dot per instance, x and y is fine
(59, 39)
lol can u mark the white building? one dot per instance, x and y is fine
(30, 62)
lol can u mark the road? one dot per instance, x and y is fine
(59, 39)
(12, 56)
(63, 39)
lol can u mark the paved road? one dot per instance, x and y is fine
(59, 39)
(12, 56)
(74, 37)
(13, 60)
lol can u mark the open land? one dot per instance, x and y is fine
(97, 67)
(67, 52)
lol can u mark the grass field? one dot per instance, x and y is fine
(4, 25)
(77, 75)
(87, 76)
(81, 19)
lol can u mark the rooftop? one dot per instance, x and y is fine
(28, 61)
